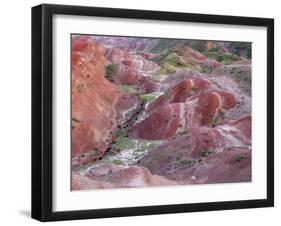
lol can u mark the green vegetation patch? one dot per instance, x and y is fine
(150, 144)
(183, 132)
(119, 133)
(117, 162)
(169, 44)
(124, 143)
(206, 69)
(174, 59)
(224, 58)
(166, 69)
(122, 140)
(215, 121)
(238, 158)
(129, 89)
(186, 163)
(240, 47)
(111, 71)
(227, 58)
(207, 152)
(243, 76)
(147, 145)
(147, 97)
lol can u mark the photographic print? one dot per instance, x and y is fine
(139, 112)
(159, 112)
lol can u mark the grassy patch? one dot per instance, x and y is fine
(150, 144)
(187, 163)
(174, 60)
(129, 89)
(242, 46)
(166, 69)
(110, 71)
(228, 59)
(122, 140)
(147, 97)
(119, 133)
(224, 58)
(215, 121)
(206, 69)
(117, 162)
(207, 152)
(147, 146)
(183, 132)
(238, 158)
(124, 143)
(242, 76)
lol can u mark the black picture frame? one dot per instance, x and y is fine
(42, 107)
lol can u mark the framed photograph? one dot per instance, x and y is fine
(145, 112)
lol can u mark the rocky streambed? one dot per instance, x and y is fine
(125, 150)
